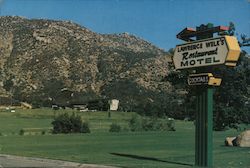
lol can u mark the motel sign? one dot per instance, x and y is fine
(214, 51)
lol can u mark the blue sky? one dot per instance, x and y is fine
(157, 21)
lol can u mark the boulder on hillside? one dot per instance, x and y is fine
(242, 140)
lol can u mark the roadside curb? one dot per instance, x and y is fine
(21, 161)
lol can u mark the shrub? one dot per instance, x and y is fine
(76, 123)
(148, 124)
(115, 128)
(69, 124)
(21, 132)
(135, 123)
(171, 124)
(85, 128)
(125, 129)
(43, 132)
(61, 124)
(154, 124)
(151, 124)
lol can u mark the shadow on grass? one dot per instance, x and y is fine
(150, 158)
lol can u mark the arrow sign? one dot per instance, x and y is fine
(199, 79)
(214, 51)
(203, 79)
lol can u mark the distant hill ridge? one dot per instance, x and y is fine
(45, 61)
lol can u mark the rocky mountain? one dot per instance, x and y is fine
(47, 61)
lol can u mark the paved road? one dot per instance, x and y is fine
(17, 161)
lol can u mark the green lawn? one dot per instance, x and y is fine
(126, 149)
(11, 123)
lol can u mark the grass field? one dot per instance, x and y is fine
(125, 149)
(11, 123)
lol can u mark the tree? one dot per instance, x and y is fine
(232, 96)
(243, 39)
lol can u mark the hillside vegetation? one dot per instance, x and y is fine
(46, 61)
